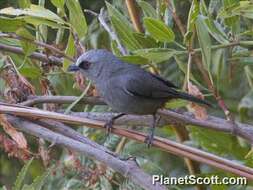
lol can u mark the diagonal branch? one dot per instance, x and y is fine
(35, 55)
(127, 168)
(47, 46)
(113, 35)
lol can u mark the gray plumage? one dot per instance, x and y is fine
(125, 87)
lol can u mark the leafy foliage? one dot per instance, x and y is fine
(218, 33)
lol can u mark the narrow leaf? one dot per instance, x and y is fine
(122, 28)
(204, 42)
(147, 9)
(156, 55)
(159, 30)
(70, 51)
(77, 18)
(21, 176)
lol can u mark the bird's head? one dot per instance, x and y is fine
(93, 63)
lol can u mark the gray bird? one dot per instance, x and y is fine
(127, 88)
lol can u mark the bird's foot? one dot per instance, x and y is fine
(108, 125)
(149, 140)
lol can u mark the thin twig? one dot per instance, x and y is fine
(113, 35)
(35, 55)
(41, 44)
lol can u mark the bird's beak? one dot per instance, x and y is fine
(73, 67)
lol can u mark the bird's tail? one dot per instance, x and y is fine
(185, 96)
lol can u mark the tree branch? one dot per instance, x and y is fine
(243, 130)
(35, 55)
(33, 100)
(47, 46)
(134, 14)
(113, 35)
(164, 144)
(128, 168)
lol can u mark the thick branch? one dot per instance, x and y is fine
(128, 169)
(39, 56)
(164, 144)
(69, 132)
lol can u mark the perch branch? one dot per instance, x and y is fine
(128, 168)
(243, 130)
(164, 144)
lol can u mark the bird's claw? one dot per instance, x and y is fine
(149, 140)
(108, 126)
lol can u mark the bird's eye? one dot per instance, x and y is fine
(85, 65)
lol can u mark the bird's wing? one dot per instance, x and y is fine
(166, 82)
(146, 85)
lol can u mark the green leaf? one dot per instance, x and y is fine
(58, 3)
(203, 8)
(134, 59)
(115, 49)
(77, 18)
(145, 41)
(216, 142)
(147, 9)
(159, 30)
(10, 24)
(126, 37)
(204, 42)
(2, 63)
(122, 28)
(215, 29)
(174, 104)
(27, 46)
(218, 64)
(21, 176)
(28, 187)
(3, 188)
(31, 72)
(192, 17)
(246, 60)
(39, 21)
(24, 3)
(182, 64)
(70, 51)
(156, 55)
(41, 180)
(227, 13)
(113, 12)
(246, 104)
(34, 11)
